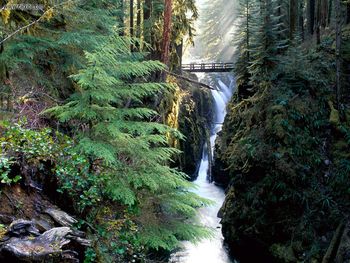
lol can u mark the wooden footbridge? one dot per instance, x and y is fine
(208, 67)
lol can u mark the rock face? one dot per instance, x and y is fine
(189, 110)
(46, 235)
(193, 123)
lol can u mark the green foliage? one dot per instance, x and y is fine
(90, 256)
(53, 49)
(266, 41)
(127, 153)
(5, 169)
(76, 180)
(34, 145)
(20, 146)
(121, 157)
(275, 146)
(261, 38)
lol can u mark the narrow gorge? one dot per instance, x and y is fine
(179, 131)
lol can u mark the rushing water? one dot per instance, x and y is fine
(209, 250)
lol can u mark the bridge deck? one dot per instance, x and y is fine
(208, 67)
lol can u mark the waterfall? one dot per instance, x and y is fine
(210, 250)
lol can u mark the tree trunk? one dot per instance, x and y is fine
(138, 25)
(132, 22)
(147, 14)
(318, 22)
(311, 16)
(179, 53)
(248, 30)
(330, 7)
(121, 18)
(338, 32)
(166, 32)
(301, 20)
(293, 7)
(324, 13)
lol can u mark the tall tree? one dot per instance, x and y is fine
(318, 22)
(166, 32)
(242, 39)
(293, 17)
(139, 20)
(311, 16)
(338, 39)
(120, 9)
(131, 15)
(147, 12)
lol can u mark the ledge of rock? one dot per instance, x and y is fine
(46, 245)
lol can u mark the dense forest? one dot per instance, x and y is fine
(113, 150)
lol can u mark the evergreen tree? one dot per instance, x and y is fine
(242, 39)
(129, 149)
(266, 41)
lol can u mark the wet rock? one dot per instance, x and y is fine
(78, 233)
(22, 227)
(48, 245)
(60, 217)
(43, 225)
(81, 241)
(6, 219)
(70, 256)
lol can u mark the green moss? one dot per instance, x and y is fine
(340, 150)
(2, 231)
(286, 254)
(334, 118)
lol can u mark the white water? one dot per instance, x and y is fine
(209, 250)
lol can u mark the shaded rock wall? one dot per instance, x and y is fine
(190, 111)
(284, 160)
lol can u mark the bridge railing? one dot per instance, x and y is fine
(207, 66)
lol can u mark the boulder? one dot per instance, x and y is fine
(22, 227)
(60, 217)
(49, 244)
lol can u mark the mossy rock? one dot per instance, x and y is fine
(3, 231)
(347, 117)
(334, 117)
